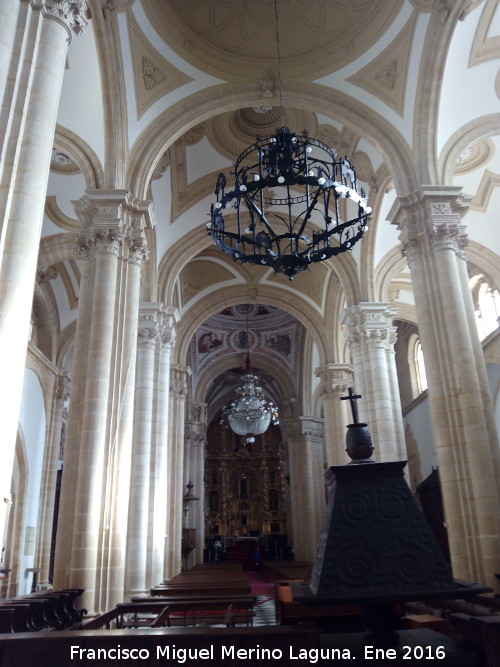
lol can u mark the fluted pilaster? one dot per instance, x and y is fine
(178, 390)
(434, 240)
(52, 460)
(336, 380)
(371, 337)
(304, 437)
(95, 488)
(194, 470)
(33, 44)
(141, 508)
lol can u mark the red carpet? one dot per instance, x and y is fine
(259, 584)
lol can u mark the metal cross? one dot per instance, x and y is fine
(352, 398)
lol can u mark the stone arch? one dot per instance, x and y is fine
(343, 267)
(479, 128)
(82, 154)
(282, 378)
(392, 262)
(184, 115)
(229, 296)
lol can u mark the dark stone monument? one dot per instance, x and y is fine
(376, 547)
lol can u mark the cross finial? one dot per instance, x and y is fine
(352, 398)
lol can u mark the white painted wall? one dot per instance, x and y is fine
(419, 420)
(32, 423)
(493, 371)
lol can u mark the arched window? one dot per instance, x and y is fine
(419, 360)
(418, 376)
(486, 305)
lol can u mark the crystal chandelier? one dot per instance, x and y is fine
(291, 188)
(250, 414)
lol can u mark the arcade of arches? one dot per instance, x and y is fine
(123, 329)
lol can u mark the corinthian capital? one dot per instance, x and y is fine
(429, 220)
(336, 378)
(72, 14)
(370, 324)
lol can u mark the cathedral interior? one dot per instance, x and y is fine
(125, 330)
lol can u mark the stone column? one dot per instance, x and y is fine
(91, 549)
(118, 462)
(336, 380)
(52, 460)
(371, 337)
(178, 390)
(139, 528)
(433, 240)
(161, 447)
(9, 10)
(304, 437)
(194, 470)
(35, 58)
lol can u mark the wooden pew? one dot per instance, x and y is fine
(290, 611)
(157, 613)
(52, 609)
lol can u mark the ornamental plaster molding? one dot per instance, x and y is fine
(72, 14)
(203, 33)
(43, 277)
(386, 76)
(484, 46)
(154, 76)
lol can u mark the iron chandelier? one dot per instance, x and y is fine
(298, 195)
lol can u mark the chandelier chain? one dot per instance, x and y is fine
(279, 62)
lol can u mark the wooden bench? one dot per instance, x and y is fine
(155, 613)
(290, 611)
(46, 609)
(200, 589)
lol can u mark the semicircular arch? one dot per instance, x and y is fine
(201, 106)
(479, 128)
(343, 267)
(230, 296)
(232, 360)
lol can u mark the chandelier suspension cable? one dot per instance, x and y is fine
(295, 201)
(250, 414)
(278, 50)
